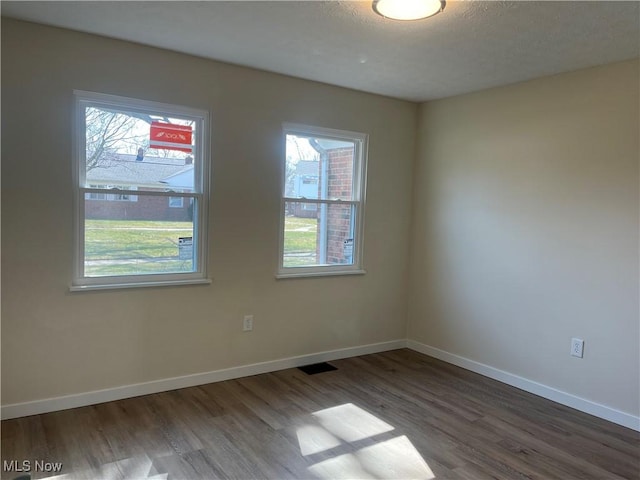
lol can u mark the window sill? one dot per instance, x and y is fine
(118, 286)
(331, 273)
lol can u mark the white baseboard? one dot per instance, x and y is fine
(550, 393)
(99, 396)
(118, 393)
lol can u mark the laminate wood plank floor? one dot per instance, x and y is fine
(397, 414)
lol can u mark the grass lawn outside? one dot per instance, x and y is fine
(300, 241)
(132, 247)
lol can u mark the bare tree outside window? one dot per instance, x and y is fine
(107, 132)
(110, 133)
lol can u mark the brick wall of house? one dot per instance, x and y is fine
(145, 208)
(339, 216)
(340, 172)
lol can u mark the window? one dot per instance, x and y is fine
(96, 196)
(159, 151)
(110, 197)
(322, 202)
(125, 197)
(176, 202)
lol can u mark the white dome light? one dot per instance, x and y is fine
(407, 9)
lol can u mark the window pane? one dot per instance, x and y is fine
(148, 236)
(124, 196)
(121, 150)
(176, 202)
(319, 168)
(318, 234)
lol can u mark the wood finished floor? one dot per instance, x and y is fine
(397, 414)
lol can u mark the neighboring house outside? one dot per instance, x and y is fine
(128, 175)
(304, 183)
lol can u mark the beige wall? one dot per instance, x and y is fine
(525, 231)
(56, 343)
(525, 226)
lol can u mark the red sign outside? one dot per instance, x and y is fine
(169, 136)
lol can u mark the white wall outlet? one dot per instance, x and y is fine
(577, 347)
(247, 323)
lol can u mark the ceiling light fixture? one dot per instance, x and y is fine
(408, 9)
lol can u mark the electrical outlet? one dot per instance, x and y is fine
(247, 324)
(577, 347)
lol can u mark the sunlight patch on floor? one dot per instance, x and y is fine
(341, 428)
(315, 439)
(133, 468)
(393, 459)
(351, 423)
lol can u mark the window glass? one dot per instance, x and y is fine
(148, 244)
(309, 177)
(318, 234)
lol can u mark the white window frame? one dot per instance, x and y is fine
(80, 282)
(360, 141)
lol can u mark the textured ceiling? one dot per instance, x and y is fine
(470, 46)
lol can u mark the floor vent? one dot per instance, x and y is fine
(317, 368)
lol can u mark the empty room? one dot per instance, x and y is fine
(383, 239)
